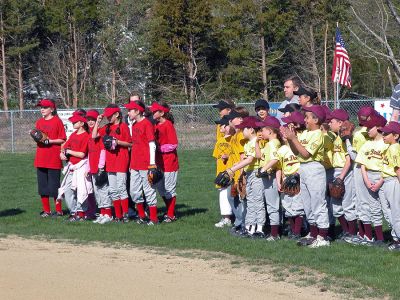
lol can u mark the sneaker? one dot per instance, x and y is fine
(258, 235)
(224, 222)
(320, 242)
(45, 214)
(98, 219)
(342, 236)
(394, 247)
(367, 242)
(125, 218)
(152, 223)
(57, 214)
(305, 241)
(75, 219)
(141, 221)
(105, 219)
(271, 238)
(294, 237)
(168, 219)
(353, 239)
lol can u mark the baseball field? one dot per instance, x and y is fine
(341, 269)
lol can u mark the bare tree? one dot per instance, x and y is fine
(3, 62)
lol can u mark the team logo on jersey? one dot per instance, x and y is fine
(374, 154)
(314, 146)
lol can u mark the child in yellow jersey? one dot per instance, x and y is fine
(309, 148)
(224, 108)
(255, 214)
(343, 209)
(390, 181)
(270, 132)
(224, 154)
(370, 157)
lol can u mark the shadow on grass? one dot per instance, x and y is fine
(11, 212)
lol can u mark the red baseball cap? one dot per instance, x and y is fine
(92, 114)
(375, 120)
(339, 114)
(77, 118)
(248, 122)
(317, 110)
(295, 117)
(109, 111)
(269, 121)
(155, 106)
(46, 103)
(133, 105)
(391, 127)
(364, 114)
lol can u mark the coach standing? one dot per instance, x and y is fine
(291, 84)
(395, 103)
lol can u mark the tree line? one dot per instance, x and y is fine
(91, 52)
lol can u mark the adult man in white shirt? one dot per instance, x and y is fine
(291, 84)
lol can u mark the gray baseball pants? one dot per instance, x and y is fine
(293, 205)
(313, 193)
(140, 183)
(101, 195)
(346, 206)
(167, 186)
(117, 185)
(255, 200)
(389, 194)
(358, 184)
(370, 205)
(272, 199)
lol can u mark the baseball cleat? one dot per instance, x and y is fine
(258, 235)
(168, 219)
(320, 242)
(394, 247)
(367, 242)
(305, 241)
(98, 219)
(152, 223)
(105, 219)
(140, 221)
(45, 214)
(223, 222)
(354, 239)
(57, 214)
(272, 238)
(125, 218)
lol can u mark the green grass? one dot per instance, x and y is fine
(198, 210)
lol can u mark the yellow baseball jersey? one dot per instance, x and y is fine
(250, 150)
(222, 147)
(219, 134)
(339, 153)
(313, 141)
(270, 152)
(359, 138)
(371, 155)
(287, 161)
(329, 138)
(238, 141)
(391, 161)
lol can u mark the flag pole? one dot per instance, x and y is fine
(337, 104)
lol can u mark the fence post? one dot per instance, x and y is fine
(12, 132)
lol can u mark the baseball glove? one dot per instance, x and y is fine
(261, 174)
(39, 136)
(154, 175)
(224, 178)
(346, 130)
(336, 188)
(242, 185)
(110, 142)
(291, 185)
(101, 177)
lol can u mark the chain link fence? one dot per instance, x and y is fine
(194, 124)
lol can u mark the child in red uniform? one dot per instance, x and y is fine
(97, 160)
(76, 185)
(47, 158)
(142, 159)
(166, 156)
(117, 159)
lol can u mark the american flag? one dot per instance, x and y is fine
(341, 62)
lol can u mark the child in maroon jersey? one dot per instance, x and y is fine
(47, 158)
(117, 158)
(166, 156)
(76, 185)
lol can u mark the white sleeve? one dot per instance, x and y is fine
(350, 150)
(152, 146)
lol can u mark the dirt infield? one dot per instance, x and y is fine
(34, 269)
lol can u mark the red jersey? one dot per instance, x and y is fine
(77, 142)
(166, 134)
(94, 148)
(142, 134)
(117, 160)
(48, 156)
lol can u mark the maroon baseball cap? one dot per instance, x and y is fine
(295, 117)
(391, 127)
(317, 110)
(339, 114)
(328, 112)
(248, 122)
(269, 121)
(375, 120)
(364, 114)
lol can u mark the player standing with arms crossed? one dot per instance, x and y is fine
(47, 159)
(166, 156)
(142, 162)
(116, 138)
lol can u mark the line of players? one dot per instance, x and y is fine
(145, 140)
(309, 144)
